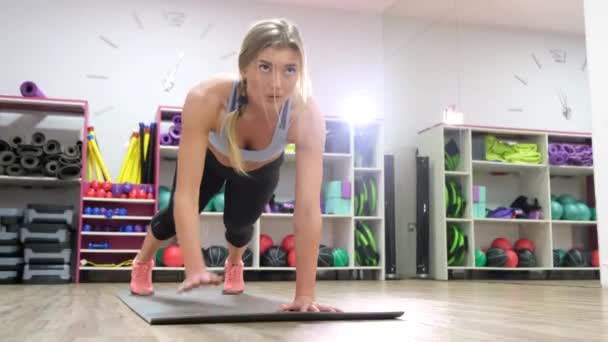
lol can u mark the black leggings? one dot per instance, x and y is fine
(244, 199)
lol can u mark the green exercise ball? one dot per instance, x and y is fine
(480, 258)
(571, 212)
(164, 196)
(159, 257)
(557, 211)
(566, 199)
(218, 202)
(209, 206)
(584, 213)
(593, 215)
(553, 197)
(340, 257)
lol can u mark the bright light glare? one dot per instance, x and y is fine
(452, 117)
(359, 110)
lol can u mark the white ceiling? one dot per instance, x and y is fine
(564, 16)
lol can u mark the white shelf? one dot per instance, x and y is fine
(490, 166)
(338, 230)
(464, 220)
(367, 170)
(556, 170)
(510, 221)
(574, 223)
(119, 200)
(456, 173)
(504, 182)
(43, 106)
(110, 251)
(113, 234)
(169, 152)
(368, 218)
(37, 181)
(118, 218)
(575, 269)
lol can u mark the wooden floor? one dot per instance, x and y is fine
(434, 311)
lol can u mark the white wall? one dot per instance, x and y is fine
(429, 65)
(58, 43)
(597, 37)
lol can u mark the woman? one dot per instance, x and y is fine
(235, 131)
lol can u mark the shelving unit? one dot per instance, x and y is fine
(341, 162)
(504, 182)
(27, 113)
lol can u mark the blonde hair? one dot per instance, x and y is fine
(277, 33)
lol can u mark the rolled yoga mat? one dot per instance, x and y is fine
(30, 89)
(14, 170)
(175, 133)
(8, 158)
(30, 163)
(1, 170)
(30, 150)
(165, 139)
(177, 120)
(51, 168)
(52, 148)
(209, 305)
(38, 139)
(67, 172)
(5, 146)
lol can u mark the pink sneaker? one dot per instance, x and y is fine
(233, 278)
(141, 278)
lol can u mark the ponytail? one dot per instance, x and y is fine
(231, 121)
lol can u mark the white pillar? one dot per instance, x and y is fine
(596, 27)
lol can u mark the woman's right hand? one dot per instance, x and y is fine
(198, 278)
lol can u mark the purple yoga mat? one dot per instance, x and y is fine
(30, 89)
(177, 120)
(165, 139)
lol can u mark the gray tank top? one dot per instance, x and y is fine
(276, 146)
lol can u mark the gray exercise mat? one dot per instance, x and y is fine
(209, 305)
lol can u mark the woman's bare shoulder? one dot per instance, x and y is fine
(215, 89)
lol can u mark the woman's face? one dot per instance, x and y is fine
(272, 78)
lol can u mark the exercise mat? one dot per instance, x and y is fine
(209, 305)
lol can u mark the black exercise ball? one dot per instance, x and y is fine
(526, 258)
(574, 258)
(497, 257)
(274, 256)
(326, 258)
(215, 256)
(248, 258)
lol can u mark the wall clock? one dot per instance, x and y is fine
(542, 61)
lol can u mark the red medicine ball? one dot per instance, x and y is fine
(524, 244)
(265, 243)
(291, 258)
(172, 256)
(502, 243)
(595, 258)
(288, 242)
(512, 260)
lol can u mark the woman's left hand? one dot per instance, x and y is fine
(307, 304)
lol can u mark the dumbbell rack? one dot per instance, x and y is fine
(505, 181)
(33, 110)
(337, 230)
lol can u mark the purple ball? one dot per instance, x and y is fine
(109, 213)
(126, 188)
(138, 228)
(116, 190)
